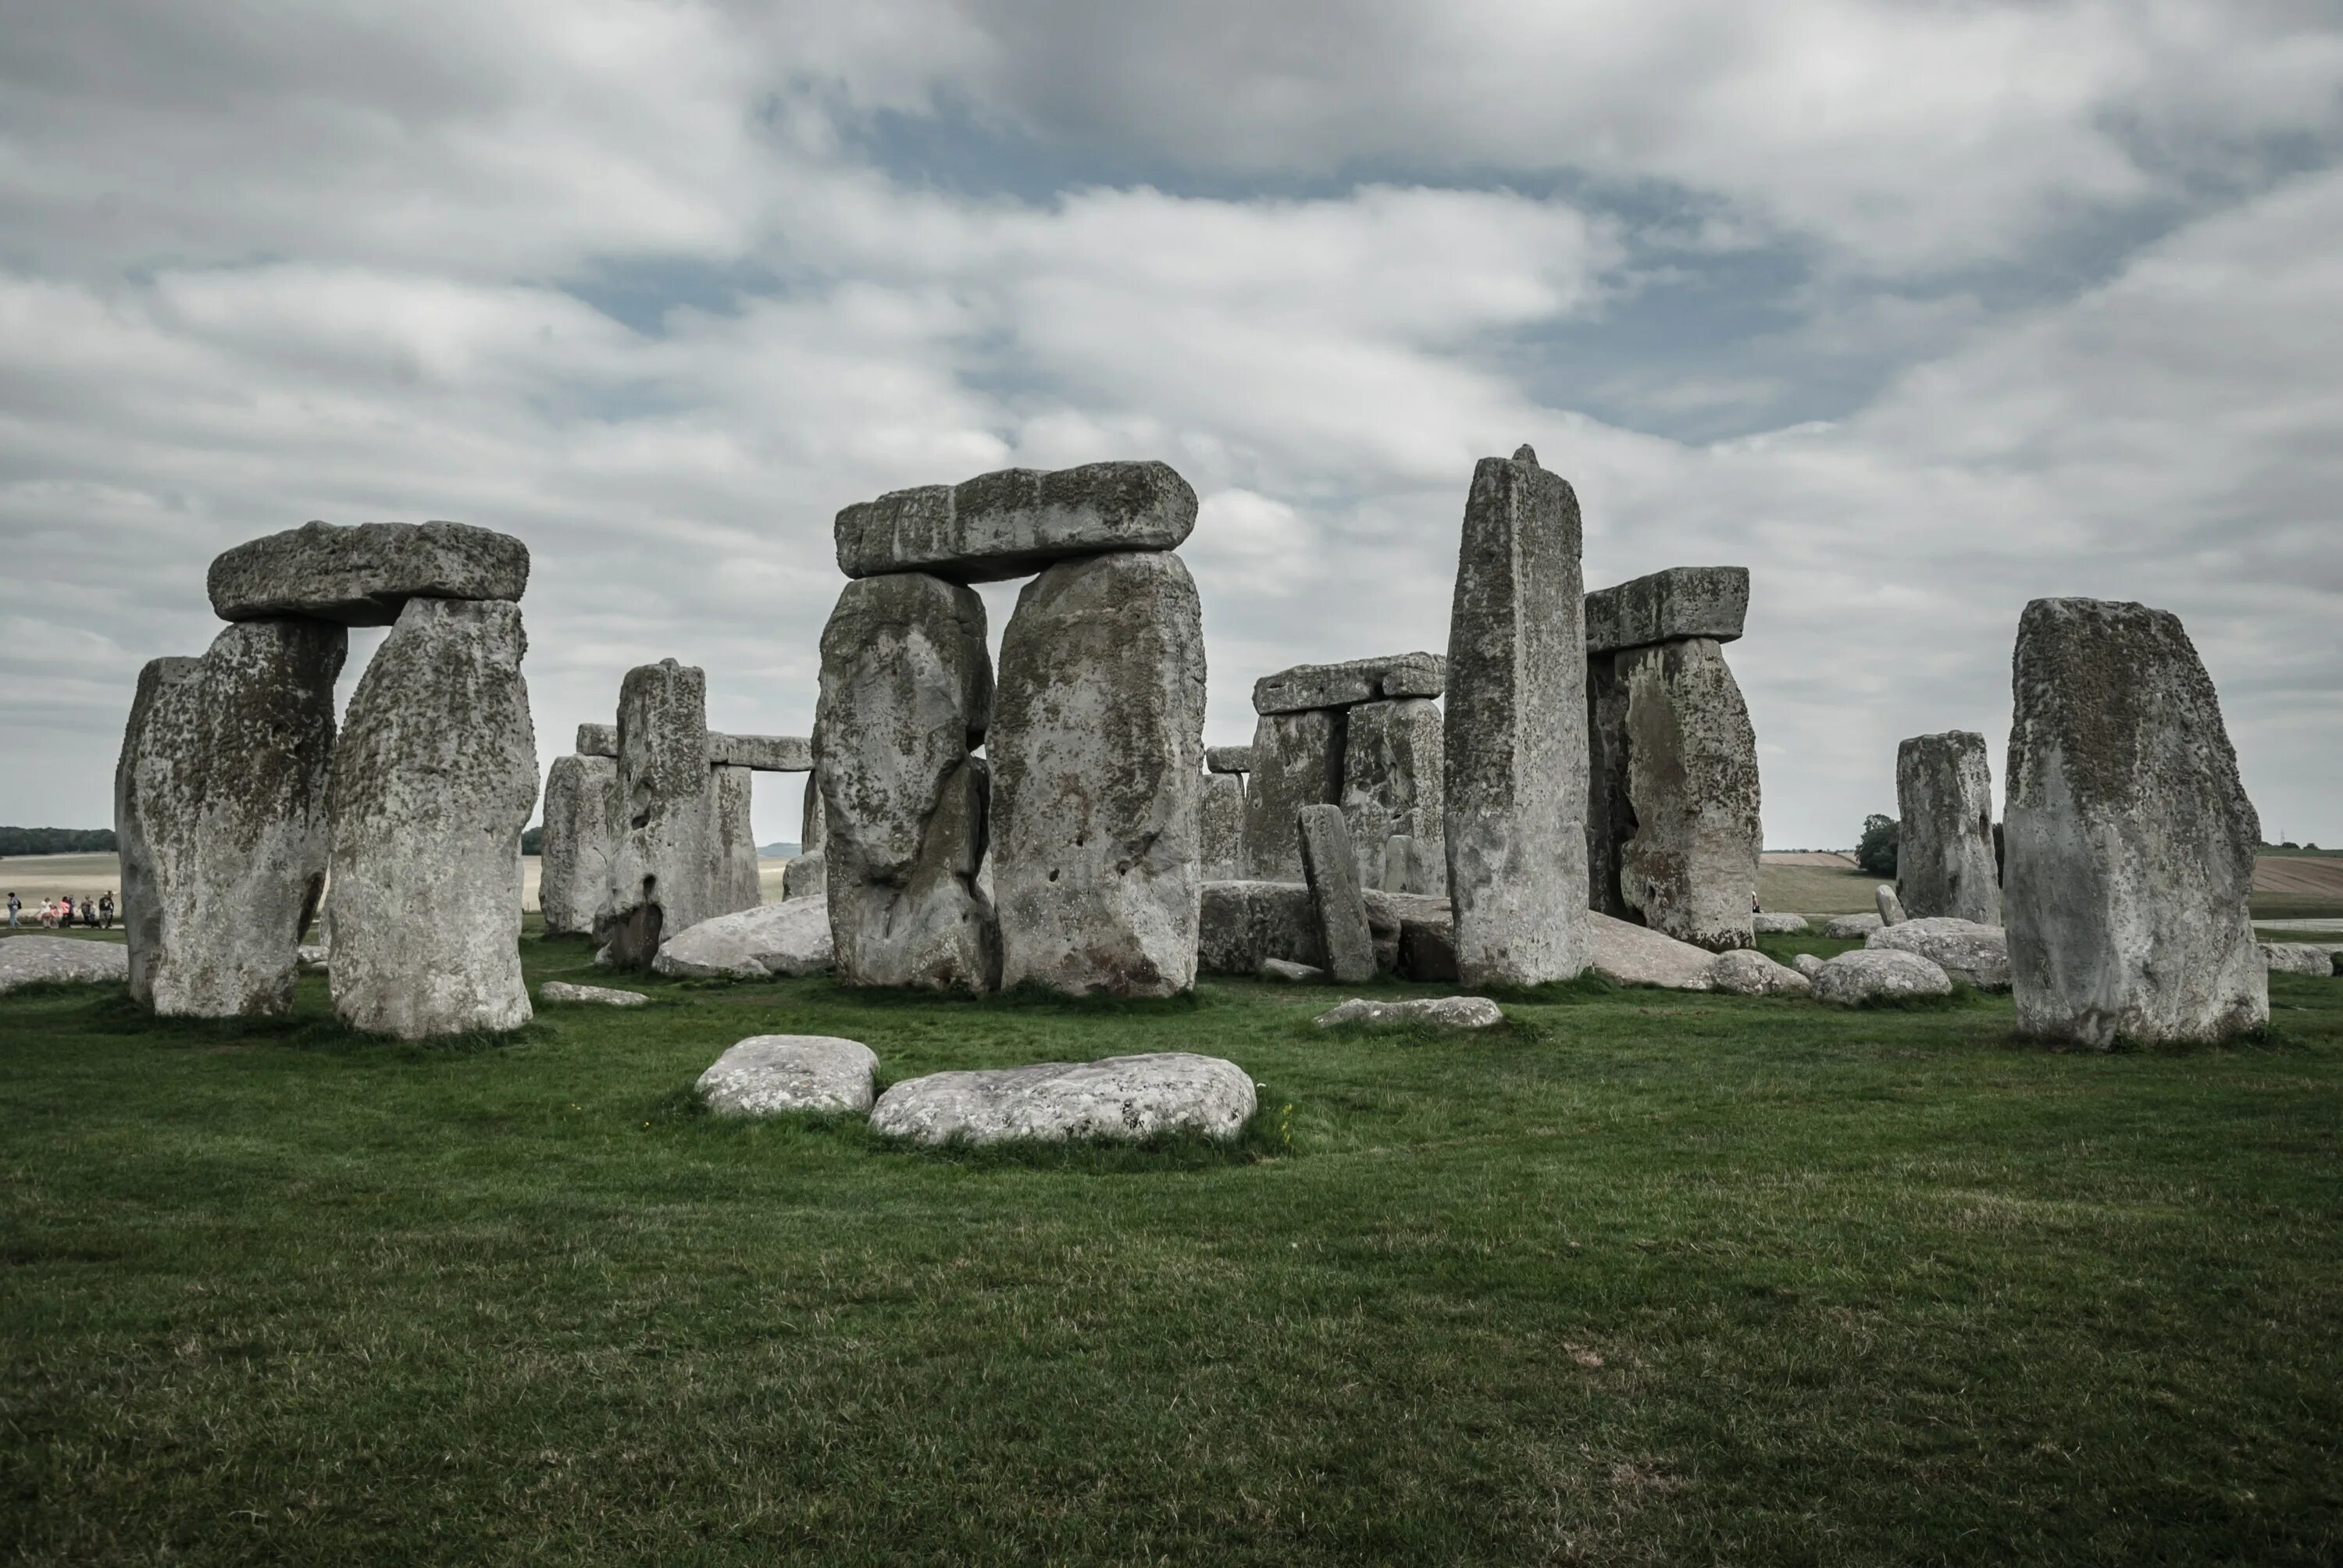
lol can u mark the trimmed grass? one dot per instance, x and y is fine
(1653, 1278)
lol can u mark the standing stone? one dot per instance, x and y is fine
(581, 804)
(435, 777)
(813, 821)
(1610, 815)
(906, 692)
(1691, 868)
(1330, 867)
(1221, 825)
(805, 877)
(1097, 750)
(1391, 785)
(733, 880)
(1297, 761)
(1891, 908)
(220, 816)
(661, 879)
(1945, 863)
(2130, 839)
(1514, 741)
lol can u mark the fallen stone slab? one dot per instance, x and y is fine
(1781, 925)
(1228, 759)
(1291, 973)
(1891, 908)
(1851, 928)
(364, 576)
(1710, 602)
(1306, 687)
(1970, 951)
(1878, 974)
(1330, 869)
(2298, 958)
(1423, 1012)
(1629, 954)
(1122, 1098)
(1014, 523)
(760, 753)
(41, 960)
(771, 942)
(596, 995)
(777, 1074)
(1745, 971)
(597, 741)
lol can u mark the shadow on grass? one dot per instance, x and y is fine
(117, 1014)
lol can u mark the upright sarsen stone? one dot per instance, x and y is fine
(1297, 761)
(1690, 870)
(2130, 840)
(1392, 765)
(581, 795)
(435, 777)
(906, 693)
(733, 880)
(1098, 746)
(1610, 814)
(220, 815)
(661, 875)
(1945, 863)
(1221, 827)
(1514, 741)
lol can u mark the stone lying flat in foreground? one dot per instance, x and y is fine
(1306, 687)
(1423, 1012)
(1852, 927)
(1013, 523)
(771, 942)
(599, 995)
(1878, 974)
(597, 741)
(1228, 759)
(364, 576)
(1629, 954)
(36, 959)
(1123, 1098)
(2298, 958)
(1745, 971)
(1291, 973)
(1971, 953)
(1681, 601)
(1781, 925)
(774, 1074)
(762, 753)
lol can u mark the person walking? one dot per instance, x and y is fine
(14, 904)
(105, 912)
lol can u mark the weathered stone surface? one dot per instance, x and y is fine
(1220, 827)
(1016, 522)
(1878, 974)
(1707, 602)
(1780, 925)
(906, 691)
(597, 741)
(661, 870)
(1414, 866)
(1974, 953)
(1119, 1099)
(314, 955)
(1097, 748)
(813, 824)
(777, 1074)
(763, 753)
(1807, 964)
(1297, 761)
(1745, 971)
(2297, 959)
(1329, 868)
(1228, 759)
(771, 942)
(1630, 954)
(1514, 743)
(1851, 928)
(1419, 1012)
(735, 879)
(807, 876)
(1690, 868)
(1610, 815)
(1309, 686)
(1241, 924)
(581, 830)
(590, 995)
(435, 777)
(364, 576)
(1891, 908)
(220, 816)
(1945, 863)
(1391, 786)
(1291, 973)
(36, 960)
(2130, 842)
(1427, 947)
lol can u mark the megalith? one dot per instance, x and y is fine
(661, 878)
(2130, 842)
(220, 814)
(1392, 765)
(581, 796)
(433, 780)
(1945, 863)
(1221, 825)
(1515, 740)
(906, 694)
(1097, 751)
(364, 575)
(1297, 761)
(733, 882)
(1338, 902)
(1690, 868)
(1016, 522)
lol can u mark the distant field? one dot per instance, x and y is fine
(36, 877)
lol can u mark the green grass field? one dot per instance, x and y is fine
(1651, 1278)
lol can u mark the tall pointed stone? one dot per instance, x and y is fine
(1515, 740)
(1944, 862)
(434, 778)
(1297, 761)
(661, 878)
(581, 796)
(1690, 868)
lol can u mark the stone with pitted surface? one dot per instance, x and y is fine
(1331, 869)
(1297, 761)
(582, 807)
(364, 575)
(1944, 862)
(663, 873)
(1220, 826)
(771, 942)
(1745, 971)
(1878, 974)
(2297, 959)
(1851, 928)
(597, 741)
(1121, 1099)
(590, 995)
(807, 876)
(1709, 602)
(1014, 523)
(1630, 954)
(1690, 866)
(1976, 954)
(779, 1074)
(37, 960)
(1807, 964)
(1390, 787)
(1310, 686)
(763, 753)
(1228, 759)
(1417, 1012)
(1780, 925)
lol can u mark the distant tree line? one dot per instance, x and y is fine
(56, 840)
(532, 840)
(1876, 851)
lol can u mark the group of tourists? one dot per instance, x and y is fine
(96, 913)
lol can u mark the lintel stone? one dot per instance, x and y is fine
(1680, 602)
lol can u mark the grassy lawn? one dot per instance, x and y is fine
(1654, 1277)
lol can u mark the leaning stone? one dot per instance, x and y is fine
(1710, 602)
(1745, 971)
(1891, 908)
(1309, 686)
(435, 777)
(1096, 748)
(1422, 1012)
(1944, 862)
(1878, 974)
(1015, 523)
(735, 875)
(582, 828)
(662, 871)
(364, 576)
(1515, 731)
(221, 817)
(1228, 759)
(597, 741)
(592, 995)
(1391, 786)
(2297, 959)
(35, 958)
(1767, 925)
(1331, 868)
(772, 941)
(1630, 954)
(1220, 826)
(777, 1074)
(1291, 973)
(1690, 867)
(1977, 955)
(805, 876)
(764, 753)
(2130, 840)
(1297, 761)
(1807, 964)
(1852, 927)
(1121, 1099)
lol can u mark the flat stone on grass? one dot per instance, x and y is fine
(1119, 1099)
(775, 1074)
(1971, 953)
(1878, 974)
(34, 959)
(1420, 1012)
(597, 995)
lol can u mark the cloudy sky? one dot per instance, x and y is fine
(1919, 309)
